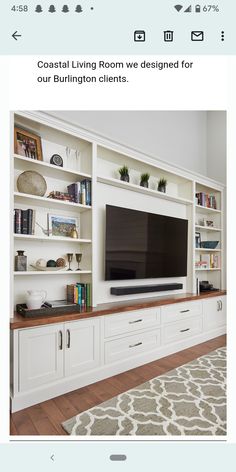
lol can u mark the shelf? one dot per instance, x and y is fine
(145, 191)
(202, 209)
(202, 249)
(206, 270)
(208, 228)
(51, 239)
(51, 170)
(51, 272)
(49, 202)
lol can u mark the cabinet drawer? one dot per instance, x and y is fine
(131, 321)
(180, 311)
(130, 346)
(182, 329)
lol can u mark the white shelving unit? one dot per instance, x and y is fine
(78, 164)
(99, 159)
(209, 224)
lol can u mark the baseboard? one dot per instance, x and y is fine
(33, 397)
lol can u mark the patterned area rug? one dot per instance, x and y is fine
(189, 400)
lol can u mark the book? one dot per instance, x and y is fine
(24, 221)
(17, 221)
(29, 221)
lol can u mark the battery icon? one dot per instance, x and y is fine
(198, 8)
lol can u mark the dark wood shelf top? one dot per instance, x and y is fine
(19, 321)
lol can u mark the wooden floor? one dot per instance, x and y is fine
(46, 418)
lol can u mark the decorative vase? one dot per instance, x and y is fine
(35, 299)
(20, 262)
(32, 183)
(144, 183)
(125, 178)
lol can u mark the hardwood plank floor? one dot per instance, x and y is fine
(46, 417)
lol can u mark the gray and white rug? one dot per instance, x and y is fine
(189, 400)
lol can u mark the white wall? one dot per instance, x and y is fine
(216, 145)
(178, 137)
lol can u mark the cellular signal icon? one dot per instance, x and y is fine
(178, 7)
(188, 10)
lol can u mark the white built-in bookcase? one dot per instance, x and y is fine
(99, 160)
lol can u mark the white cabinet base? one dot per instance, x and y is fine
(60, 387)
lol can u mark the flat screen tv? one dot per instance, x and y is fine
(141, 245)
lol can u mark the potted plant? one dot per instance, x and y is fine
(162, 185)
(124, 173)
(144, 180)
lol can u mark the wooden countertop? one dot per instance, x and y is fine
(19, 321)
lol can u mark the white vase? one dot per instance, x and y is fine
(35, 299)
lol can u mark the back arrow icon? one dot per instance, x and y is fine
(52, 458)
(15, 35)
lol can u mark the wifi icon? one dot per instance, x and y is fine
(178, 7)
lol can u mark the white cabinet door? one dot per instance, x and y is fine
(40, 356)
(214, 312)
(82, 348)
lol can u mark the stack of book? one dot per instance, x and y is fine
(81, 192)
(80, 294)
(206, 200)
(24, 221)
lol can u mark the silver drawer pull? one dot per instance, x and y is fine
(184, 330)
(184, 311)
(60, 340)
(136, 321)
(135, 345)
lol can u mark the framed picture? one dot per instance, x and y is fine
(197, 240)
(27, 144)
(61, 226)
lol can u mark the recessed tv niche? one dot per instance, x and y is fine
(141, 245)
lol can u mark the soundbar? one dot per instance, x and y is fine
(144, 289)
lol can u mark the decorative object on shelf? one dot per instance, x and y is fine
(61, 225)
(20, 262)
(58, 307)
(144, 181)
(74, 233)
(51, 263)
(35, 299)
(209, 223)
(124, 173)
(31, 182)
(69, 257)
(206, 286)
(162, 183)
(60, 262)
(56, 160)
(78, 259)
(60, 196)
(47, 269)
(209, 244)
(41, 263)
(197, 240)
(27, 144)
(47, 232)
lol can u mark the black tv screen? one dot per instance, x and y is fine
(141, 245)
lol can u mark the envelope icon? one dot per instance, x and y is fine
(197, 36)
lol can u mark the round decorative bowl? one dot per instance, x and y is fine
(32, 183)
